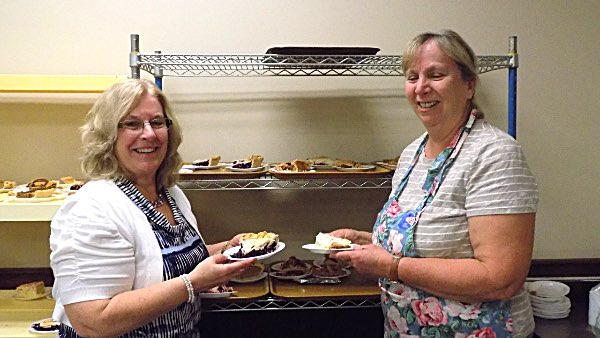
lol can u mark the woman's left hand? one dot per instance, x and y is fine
(367, 259)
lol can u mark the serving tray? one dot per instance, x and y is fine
(330, 174)
(354, 284)
(222, 173)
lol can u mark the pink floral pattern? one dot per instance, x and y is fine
(393, 209)
(486, 332)
(429, 312)
(464, 311)
(395, 242)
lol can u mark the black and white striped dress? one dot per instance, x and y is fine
(182, 249)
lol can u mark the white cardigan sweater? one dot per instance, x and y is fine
(102, 245)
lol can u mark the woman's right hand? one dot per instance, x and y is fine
(355, 236)
(216, 270)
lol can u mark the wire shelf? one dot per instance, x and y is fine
(289, 304)
(268, 182)
(289, 65)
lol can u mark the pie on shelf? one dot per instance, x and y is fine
(254, 161)
(294, 166)
(31, 290)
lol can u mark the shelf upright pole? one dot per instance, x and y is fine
(134, 56)
(512, 86)
(158, 71)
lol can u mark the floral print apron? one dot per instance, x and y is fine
(409, 312)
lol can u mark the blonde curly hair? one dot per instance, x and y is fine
(99, 133)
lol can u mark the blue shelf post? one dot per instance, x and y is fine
(512, 86)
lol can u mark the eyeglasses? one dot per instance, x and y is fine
(137, 125)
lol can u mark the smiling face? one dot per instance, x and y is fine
(436, 90)
(141, 152)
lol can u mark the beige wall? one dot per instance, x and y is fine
(365, 118)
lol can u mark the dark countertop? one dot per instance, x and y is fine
(574, 326)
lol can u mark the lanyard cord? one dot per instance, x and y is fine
(437, 171)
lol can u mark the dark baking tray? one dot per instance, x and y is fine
(323, 50)
(317, 57)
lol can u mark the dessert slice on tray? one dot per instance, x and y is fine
(292, 268)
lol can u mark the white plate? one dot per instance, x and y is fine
(322, 167)
(291, 172)
(319, 262)
(48, 291)
(386, 165)
(14, 199)
(52, 333)
(364, 167)
(280, 246)
(200, 167)
(319, 250)
(246, 169)
(251, 280)
(558, 316)
(345, 273)
(217, 294)
(276, 274)
(548, 289)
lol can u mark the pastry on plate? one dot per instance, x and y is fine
(31, 290)
(256, 244)
(45, 193)
(293, 267)
(37, 184)
(254, 161)
(294, 166)
(326, 241)
(211, 161)
(391, 161)
(8, 184)
(327, 271)
(67, 179)
(321, 160)
(46, 325)
(347, 164)
(219, 289)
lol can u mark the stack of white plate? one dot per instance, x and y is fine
(549, 299)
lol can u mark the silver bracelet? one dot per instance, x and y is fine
(189, 288)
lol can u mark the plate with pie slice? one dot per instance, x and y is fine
(261, 276)
(278, 266)
(44, 327)
(225, 294)
(245, 169)
(15, 199)
(322, 167)
(325, 261)
(201, 167)
(388, 166)
(229, 252)
(41, 295)
(360, 168)
(321, 250)
(324, 273)
(281, 275)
